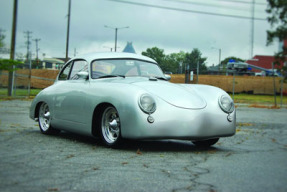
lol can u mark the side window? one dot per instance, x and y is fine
(64, 75)
(78, 66)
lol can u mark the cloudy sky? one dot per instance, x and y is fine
(172, 25)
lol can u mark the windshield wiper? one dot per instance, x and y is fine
(109, 76)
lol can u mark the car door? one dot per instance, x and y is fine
(70, 102)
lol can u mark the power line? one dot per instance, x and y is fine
(196, 3)
(230, 7)
(243, 2)
(186, 10)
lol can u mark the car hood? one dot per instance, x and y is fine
(174, 94)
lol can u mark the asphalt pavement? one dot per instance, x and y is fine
(252, 160)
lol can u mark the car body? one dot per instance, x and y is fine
(125, 95)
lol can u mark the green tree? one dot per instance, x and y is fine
(226, 60)
(277, 10)
(156, 54)
(7, 64)
(191, 60)
(174, 62)
(177, 62)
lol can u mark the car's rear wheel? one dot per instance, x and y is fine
(45, 120)
(111, 127)
(205, 143)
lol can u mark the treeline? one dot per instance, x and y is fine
(177, 62)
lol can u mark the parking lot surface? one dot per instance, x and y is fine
(252, 160)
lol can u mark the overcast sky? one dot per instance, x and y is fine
(172, 25)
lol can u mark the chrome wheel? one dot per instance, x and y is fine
(110, 126)
(44, 117)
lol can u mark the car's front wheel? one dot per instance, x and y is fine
(45, 120)
(111, 127)
(205, 143)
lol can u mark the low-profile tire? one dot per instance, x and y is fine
(45, 120)
(110, 127)
(205, 143)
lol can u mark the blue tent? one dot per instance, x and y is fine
(129, 48)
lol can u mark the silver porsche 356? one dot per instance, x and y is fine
(120, 96)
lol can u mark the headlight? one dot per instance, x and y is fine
(226, 104)
(147, 104)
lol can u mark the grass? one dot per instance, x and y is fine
(258, 99)
(18, 93)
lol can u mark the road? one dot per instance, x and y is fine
(252, 160)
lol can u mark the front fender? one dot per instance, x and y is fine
(40, 97)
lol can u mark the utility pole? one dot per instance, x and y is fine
(75, 52)
(2, 43)
(116, 39)
(116, 34)
(37, 49)
(28, 43)
(29, 57)
(68, 31)
(2, 38)
(12, 52)
(274, 85)
(197, 71)
(219, 62)
(252, 29)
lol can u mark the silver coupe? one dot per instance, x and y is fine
(120, 96)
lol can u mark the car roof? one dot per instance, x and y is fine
(112, 55)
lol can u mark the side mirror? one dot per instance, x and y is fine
(83, 75)
(167, 77)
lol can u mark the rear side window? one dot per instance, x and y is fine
(78, 66)
(71, 69)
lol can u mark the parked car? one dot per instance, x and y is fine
(120, 96)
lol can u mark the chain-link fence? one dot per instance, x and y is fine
(42, 78)
(20, 82)
(26, 82)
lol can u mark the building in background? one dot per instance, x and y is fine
(52, 63)
(263, 61)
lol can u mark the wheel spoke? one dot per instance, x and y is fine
(47, 115)
(110, 125)
(116, 133)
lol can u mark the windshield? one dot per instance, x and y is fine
(125, 68)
